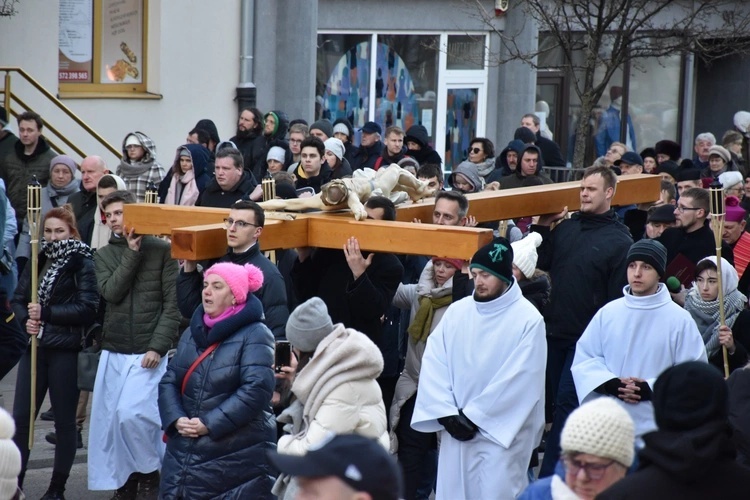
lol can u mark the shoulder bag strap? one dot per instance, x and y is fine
(195, 364)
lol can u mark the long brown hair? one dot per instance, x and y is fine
(65, 214)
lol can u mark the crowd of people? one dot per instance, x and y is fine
(577, 355)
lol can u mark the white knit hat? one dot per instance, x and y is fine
(335, 146)
(524, 253)
(730, 179)
(276, 153)
(341, 128)
(10, 457)
(600, 427)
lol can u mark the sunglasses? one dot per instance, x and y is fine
(476, 151)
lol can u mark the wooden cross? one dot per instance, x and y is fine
(197, 233)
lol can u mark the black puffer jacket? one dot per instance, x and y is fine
(586, 259)
(214, 196)
(418, 134)
(230, 391)
(72, 306)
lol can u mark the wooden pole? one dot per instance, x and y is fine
(33, 215)
(717, 226)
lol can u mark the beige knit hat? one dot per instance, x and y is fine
(600, 427)
(524, 253)
(10, 457)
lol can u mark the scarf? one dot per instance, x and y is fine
(229, 311)
(422, 323)
(129, 170)
(59, 253)
(486, 167)
(186, 194)
(706, 315)
(57, 197)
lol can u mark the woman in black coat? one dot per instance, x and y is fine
(68, 301)
(217, 417)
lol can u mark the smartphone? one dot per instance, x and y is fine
(283, 354)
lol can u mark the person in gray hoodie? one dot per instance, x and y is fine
(529, 164)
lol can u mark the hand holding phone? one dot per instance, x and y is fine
(283, 355)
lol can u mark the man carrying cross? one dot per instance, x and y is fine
(482, 383)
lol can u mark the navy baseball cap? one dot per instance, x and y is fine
(630, 158)
(360, 462)
(371, 128)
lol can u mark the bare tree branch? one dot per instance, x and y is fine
(8, 8)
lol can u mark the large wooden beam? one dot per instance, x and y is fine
(537, 200)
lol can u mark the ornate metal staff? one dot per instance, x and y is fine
(718, 213)
(269, 193)
(33, 216)
(152, 193)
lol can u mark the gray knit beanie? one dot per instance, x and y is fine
(323, 125)
(308, 325)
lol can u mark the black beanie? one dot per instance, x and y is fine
(525, 134)
(689, 395)
(651, 252)
(496, 258)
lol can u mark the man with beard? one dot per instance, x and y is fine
(489, 411)
(249, 136)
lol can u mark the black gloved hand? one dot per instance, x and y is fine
(610, 387)
(459, 426)
(645, 391)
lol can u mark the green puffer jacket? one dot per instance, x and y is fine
(17, 168)
(139, 288)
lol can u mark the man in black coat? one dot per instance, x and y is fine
(84, 202)
(231, 181)
(418, 144)
(244, 227)
(249, 137)
(357, 290)
(550, 151)
(370, 147)
(586, 259)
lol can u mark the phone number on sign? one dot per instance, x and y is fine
(73, 75)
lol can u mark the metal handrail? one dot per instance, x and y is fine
(9, 96)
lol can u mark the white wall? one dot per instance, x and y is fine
(193, 64)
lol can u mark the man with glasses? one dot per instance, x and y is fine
(597, 449)
(244, 226)
(691, 239)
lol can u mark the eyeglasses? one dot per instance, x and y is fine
(295, 141)
(229, 222)
(476, 151)
(593, 471)
(682, 208)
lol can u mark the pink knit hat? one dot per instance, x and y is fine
(457, 263)
(242, 280)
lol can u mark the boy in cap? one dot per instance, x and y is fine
(631, 340)
(346, 466)
(489, 411)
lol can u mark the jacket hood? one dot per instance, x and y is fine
(689, 455)
(146, 142)
(470, 171)
(502, 158)
(539, 163)
(41, 148)
(200, 156)
(203, 337)
(282, 124)
(418, 134)
(244, 184)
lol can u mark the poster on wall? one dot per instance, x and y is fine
(75, 41)
(122, 41)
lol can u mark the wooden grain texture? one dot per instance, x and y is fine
(155, 219)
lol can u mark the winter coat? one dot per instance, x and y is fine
(586, 259)
(350, 148)
(739, 413)
(200, 157)
(407, 297)
(72, 305)
(84, 205)
(418, 134)
(516, 179)
(694, 464)
(139, 175)
(251, 146)
(536, 290)
(139, 288)
(338, 391)
(365, 157)
(550, 151)
(17, 169)
(359, 303)
(343, 170)
(324, 176)
(694, 245)
(230, 392)
(214, 196)
(272, 294)
(100, 231)
(277, 138)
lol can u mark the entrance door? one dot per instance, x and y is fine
(552, 104)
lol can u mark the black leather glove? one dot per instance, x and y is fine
(610, 387)
(645, 391)
(459, 426)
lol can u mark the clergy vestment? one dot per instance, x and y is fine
(635, 337)
(488, 359)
